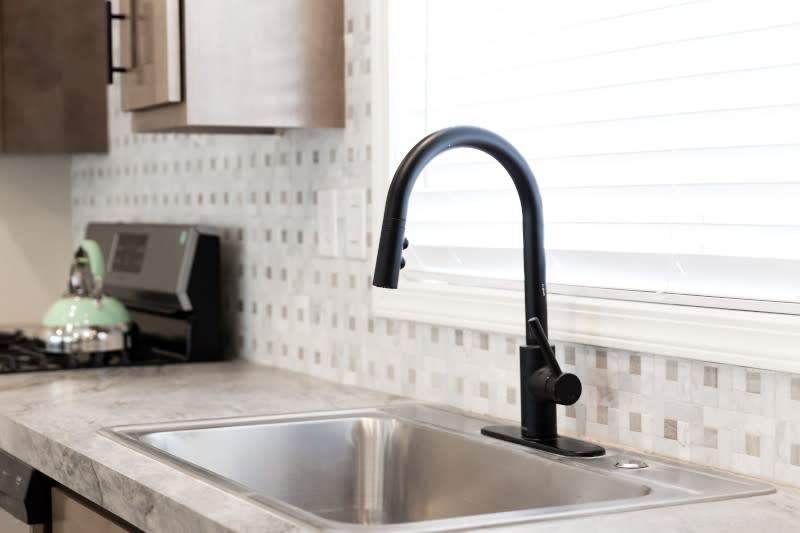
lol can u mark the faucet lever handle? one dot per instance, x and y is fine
(544, 343)
(549, 382)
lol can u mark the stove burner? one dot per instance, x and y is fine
(19, 353)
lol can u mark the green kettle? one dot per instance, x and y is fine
(84, 320)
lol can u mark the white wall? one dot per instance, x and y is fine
(35, 238)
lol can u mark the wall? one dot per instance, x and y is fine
(35, 238)
(285, 305)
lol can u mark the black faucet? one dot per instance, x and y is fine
(542, 384)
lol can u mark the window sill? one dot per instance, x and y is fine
(768, 341)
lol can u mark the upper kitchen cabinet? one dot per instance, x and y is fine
(52, 77)
(205, 66)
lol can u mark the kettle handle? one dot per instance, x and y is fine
(94, 256)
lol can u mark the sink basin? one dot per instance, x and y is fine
(414, 467)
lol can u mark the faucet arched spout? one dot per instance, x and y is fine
(390, 247)
(542, 384)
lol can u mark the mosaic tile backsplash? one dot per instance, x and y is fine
(290, 307)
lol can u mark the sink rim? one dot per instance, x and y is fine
(659, 494)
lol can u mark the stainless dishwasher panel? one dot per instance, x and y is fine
(9, 524)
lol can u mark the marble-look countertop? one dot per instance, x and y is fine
(50, 420)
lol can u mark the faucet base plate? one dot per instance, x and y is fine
(559, 445)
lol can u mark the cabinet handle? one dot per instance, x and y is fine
(110, 68)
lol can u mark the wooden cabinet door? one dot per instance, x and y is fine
(150, 48)
(52, 77)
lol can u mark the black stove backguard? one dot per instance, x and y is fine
(168, 276)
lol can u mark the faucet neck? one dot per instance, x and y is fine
(542, 384)
(390, 247)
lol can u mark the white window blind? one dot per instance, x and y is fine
(664, 135)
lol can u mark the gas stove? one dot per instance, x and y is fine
(22, 353)
(170, 285)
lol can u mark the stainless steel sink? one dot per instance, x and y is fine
(415, 467)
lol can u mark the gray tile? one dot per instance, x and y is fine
(484, 341)
(671, 369)
(569, 355)
(753, 383)
(710, 437)
(752, 445)
(601, 359)
(484, 389)
(670, 429)
(570, 411)
(459, 337)
(710, 376)
(635, 365)
(635, 422)
(602, 414)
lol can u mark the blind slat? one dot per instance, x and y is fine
(731, 204)
(730, 53)
(764, 87)
(469, 169)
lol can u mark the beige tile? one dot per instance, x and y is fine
(795, 455)
(635, 365)
(602, 414)
(752, 445)
(569, 355)
(795, 390)
(484, 341)
(710, 376)
(671, 369)
(511, 395)
(635, 422)
(753, 383)
(710, 437)
(670, 429)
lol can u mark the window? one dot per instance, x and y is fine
(663, 135)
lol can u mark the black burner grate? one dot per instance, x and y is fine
(19, 353)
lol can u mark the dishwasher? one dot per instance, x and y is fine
(24, 497)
